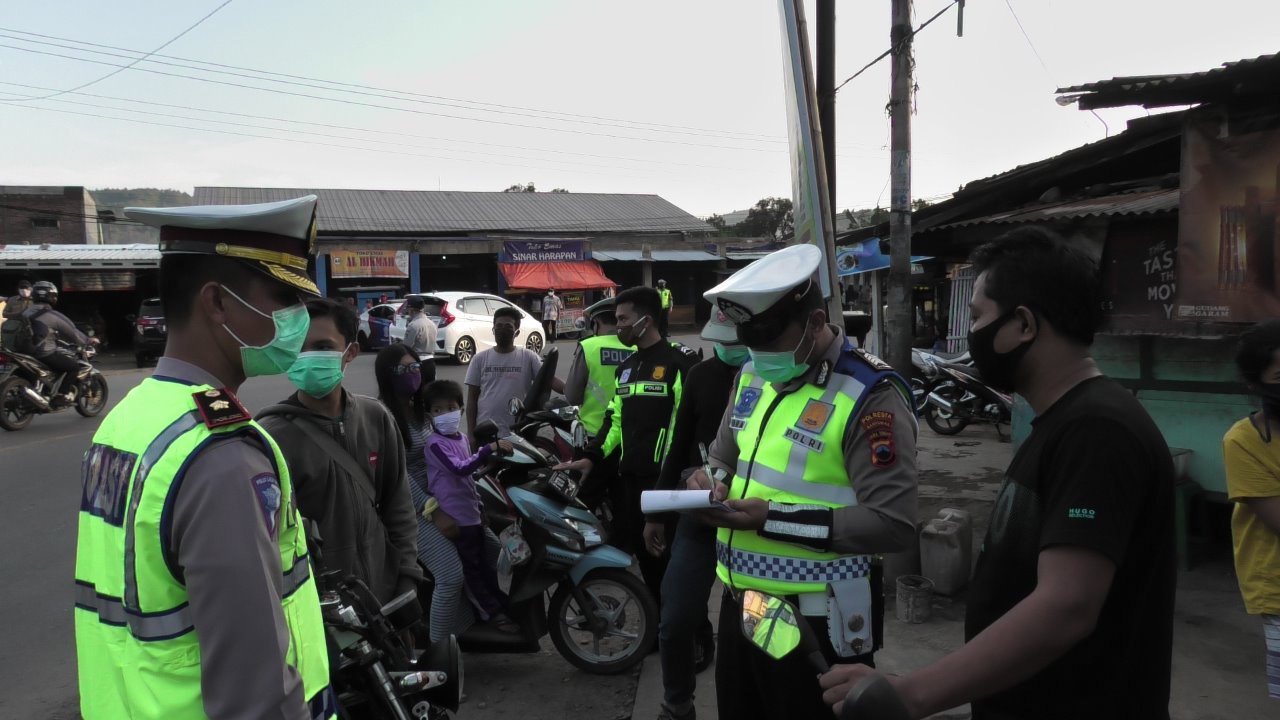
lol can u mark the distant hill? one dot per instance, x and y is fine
(116, 199)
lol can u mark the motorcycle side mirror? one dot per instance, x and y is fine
(486, 432)
(775, 627)
(770, 623)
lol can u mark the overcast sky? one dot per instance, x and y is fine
(682, 99)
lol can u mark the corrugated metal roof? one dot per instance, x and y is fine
(655, 255)
(1163, 90)
(410, 211)
(1137, 203)
(76, 256)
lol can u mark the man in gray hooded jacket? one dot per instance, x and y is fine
(347, 460)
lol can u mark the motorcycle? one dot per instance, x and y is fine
(373, 672)
(960, 399)
(29, 388)
(775, 627)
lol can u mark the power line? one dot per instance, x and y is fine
(890, 51)
(348, 127)
(144, 57)
(746, 135)
(379, 94)
(570, 131)
(1030, 44)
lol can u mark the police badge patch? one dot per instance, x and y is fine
(267, 488)
(747, 400)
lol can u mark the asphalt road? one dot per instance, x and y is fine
(39, 475)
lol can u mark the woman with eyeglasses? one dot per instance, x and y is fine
(398, 370)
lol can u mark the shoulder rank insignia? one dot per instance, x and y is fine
(872, 360)
(219, 408)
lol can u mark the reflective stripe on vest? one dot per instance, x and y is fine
(790, 450)
(136, 653)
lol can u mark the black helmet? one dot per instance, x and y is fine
(44, 292)
(662, 283)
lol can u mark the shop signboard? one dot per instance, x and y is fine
(98, 280)
(1229, 221)
(369, 263)
(538, 251)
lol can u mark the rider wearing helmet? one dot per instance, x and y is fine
(49, 327)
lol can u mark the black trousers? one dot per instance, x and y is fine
(60, 362)
(664, 317)
(753, 686)
(628, 530)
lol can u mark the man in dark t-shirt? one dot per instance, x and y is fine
(1070, 611)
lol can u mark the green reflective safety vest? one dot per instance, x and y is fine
(136, 646)
(603, 354)
(665, 294)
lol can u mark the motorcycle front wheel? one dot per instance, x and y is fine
(92, 397)
(15, 413)
(613, 636)
(946, 422)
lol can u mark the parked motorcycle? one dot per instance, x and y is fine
(600, 616)
(776, 628)
(960, 399)
(373, 672)
(29, 388)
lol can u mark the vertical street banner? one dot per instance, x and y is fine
(369, 263)
(1229, 220)
(809, 196)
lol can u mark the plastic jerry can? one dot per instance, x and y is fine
(946, 550)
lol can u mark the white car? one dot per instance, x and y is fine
(464, 319)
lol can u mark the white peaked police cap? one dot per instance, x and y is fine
(759, 286)
(720, 329)
(277, 239)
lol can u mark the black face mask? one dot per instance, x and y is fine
(998, 370)
(504, 335)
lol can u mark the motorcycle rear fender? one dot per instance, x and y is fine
(601, 556)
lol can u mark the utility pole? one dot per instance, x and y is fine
(897, 350)
(826, 87)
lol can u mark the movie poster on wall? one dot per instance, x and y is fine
(1229, 220)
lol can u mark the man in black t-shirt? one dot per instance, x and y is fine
(1070, 611)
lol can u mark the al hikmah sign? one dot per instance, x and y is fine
(369, 263)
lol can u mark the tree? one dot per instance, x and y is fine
(771, 217)
(521, 188)
(717, 222)
(560, 190)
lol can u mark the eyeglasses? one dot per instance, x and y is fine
(410, 368)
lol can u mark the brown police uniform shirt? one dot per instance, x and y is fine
(231, 562)
(884, 520)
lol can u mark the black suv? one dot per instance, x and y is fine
(149, 332)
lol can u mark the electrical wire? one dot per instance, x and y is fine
(745, 135)
(380, 94)
(167, 43)
(894, 48)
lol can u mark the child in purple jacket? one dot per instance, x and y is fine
(450, 464)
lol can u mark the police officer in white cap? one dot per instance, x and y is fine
(817, 451)
(194, 592)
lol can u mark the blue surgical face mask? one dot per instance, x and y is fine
(735, 355)
(778, 367)
(277, 356)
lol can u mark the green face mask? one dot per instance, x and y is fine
(317, 373)
(735, 355)
(278, 355)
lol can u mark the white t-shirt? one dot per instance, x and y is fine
(421, 336)
(551, 305)
(500, 377)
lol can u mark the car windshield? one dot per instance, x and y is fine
(151, 308)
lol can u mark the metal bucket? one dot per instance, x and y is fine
(915, 599)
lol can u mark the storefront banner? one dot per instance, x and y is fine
(369, 263)
(529, 251)
(1229, 220)
(98, 280)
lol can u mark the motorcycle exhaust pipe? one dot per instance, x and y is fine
(36, 399)
(940, 402)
